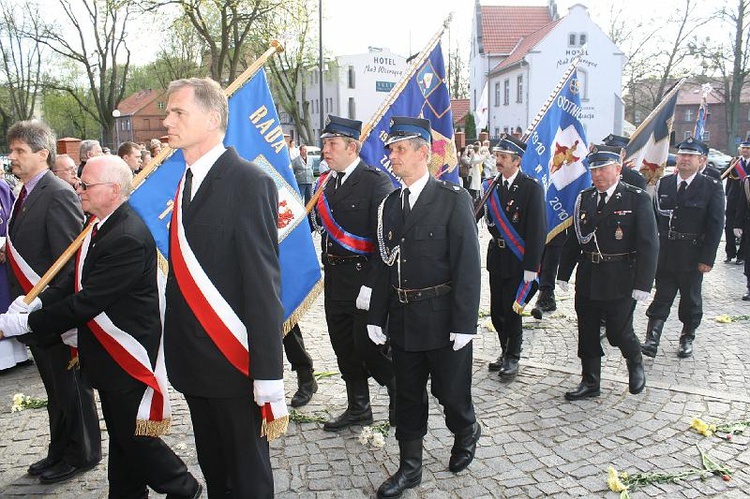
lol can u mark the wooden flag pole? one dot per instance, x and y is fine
(167, 151)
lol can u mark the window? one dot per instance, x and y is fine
(162, 105)
(583, 84)
(706, 136)
(582, 39)
(572, 40)
(352, 79)
(686, 134)
(506, 92)
(497, 94)
(638, 117)
(688, 115)
(352, 109)
(497, 132)
(519, 88)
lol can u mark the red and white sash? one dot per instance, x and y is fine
(27, 279)
(214, 313)
(154, 412)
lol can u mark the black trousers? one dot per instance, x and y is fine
(75, 436)
(451, 385)
(296, 354)
(731, 247)
(358, 358)
(618, 317)
(689, 284)
(551, 261)
(138, 461)
(507, 323)
(234, 458)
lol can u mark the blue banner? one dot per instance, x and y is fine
(254, 130)
(422, 94)
(556, 156)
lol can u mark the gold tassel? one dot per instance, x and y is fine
(304, 307)
(148, 428)
(274, 429)
(73, 364)
(517, 308)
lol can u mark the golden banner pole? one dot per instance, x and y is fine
(167, 151)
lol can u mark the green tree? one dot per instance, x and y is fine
(471, 127)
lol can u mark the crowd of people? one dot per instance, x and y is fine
(402, 273)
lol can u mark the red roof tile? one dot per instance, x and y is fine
(460, 108)
(503, 25)
(525, 45)
(136, 101)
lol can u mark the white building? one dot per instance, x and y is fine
(354, 86)
(521, 81)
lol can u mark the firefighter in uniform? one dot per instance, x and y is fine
(742, 228)
(615, 246)
(346, 218)
(735, 246)
(690, 216)
(427, 291)
(517, 220)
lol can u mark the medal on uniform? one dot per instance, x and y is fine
(516, 217)
(618, 233)
(390, 235)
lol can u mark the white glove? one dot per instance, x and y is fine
(528, 276)
(376, 334)
(20, 307)
(266, 391)
(363, 299)
(639, 295)
(737, 232)
(460, 340)
(14, 324)
(563, 285)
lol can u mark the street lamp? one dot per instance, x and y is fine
(115, 115)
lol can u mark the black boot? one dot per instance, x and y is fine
(496, 365)
(636, 374)
(391, 386)
(358, 411)
(306, 386)
(464, 448)
(546, 301)
(746, 296)
(409, 473)
(653, 335)
(512, 354)
(686, 342)
(591, 370)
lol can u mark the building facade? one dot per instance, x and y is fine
(523, 79)
(139, 117)
(354, 87)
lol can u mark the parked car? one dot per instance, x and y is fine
(718, 159)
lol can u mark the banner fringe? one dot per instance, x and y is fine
(274, 429)
(303, 307)
(148, 428)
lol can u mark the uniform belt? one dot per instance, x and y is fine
(343, 259)
(500, 242)
(608, 257)
(681, 236)
(412, 295)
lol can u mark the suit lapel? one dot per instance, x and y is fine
(613, 203)
(338, 195)
(32, 197)
(215, 174)
(422, 206)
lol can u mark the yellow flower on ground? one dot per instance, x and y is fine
(613, 481)
(702, 427)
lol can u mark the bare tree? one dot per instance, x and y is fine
(226, 28)
(459, 75)
(21, 65)
(98, 48)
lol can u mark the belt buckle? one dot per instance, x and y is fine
(501, 243)
(671, 235)
(403, 295)
(595, 258)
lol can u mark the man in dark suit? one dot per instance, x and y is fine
(346, 216)
(615, 246)
(46, 218)
(113, 300)
(427, 292)
(690, 216)
(733, 245)
(223, 323)
(742, 228)
(517, 220)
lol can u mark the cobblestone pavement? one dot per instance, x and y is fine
(534, 443)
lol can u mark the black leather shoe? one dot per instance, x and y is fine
(42, 465)
(548, 304)
(496, 365)
(464, 448)
(509, 369)
(409, 473)
(686, 347)
(306, 387)
(728, 259)
(583, 391)
(59, 472)
(746, 296)
(636, 376)
(349, 418)
(740, 261)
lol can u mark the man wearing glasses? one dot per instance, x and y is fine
(65, 169)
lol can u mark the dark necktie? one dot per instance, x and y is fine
(19, 202)
(681, 190)
(407, 207)
(187, 190)
(94, 230)
(600, 204)
(339, 178)
(505, 187)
